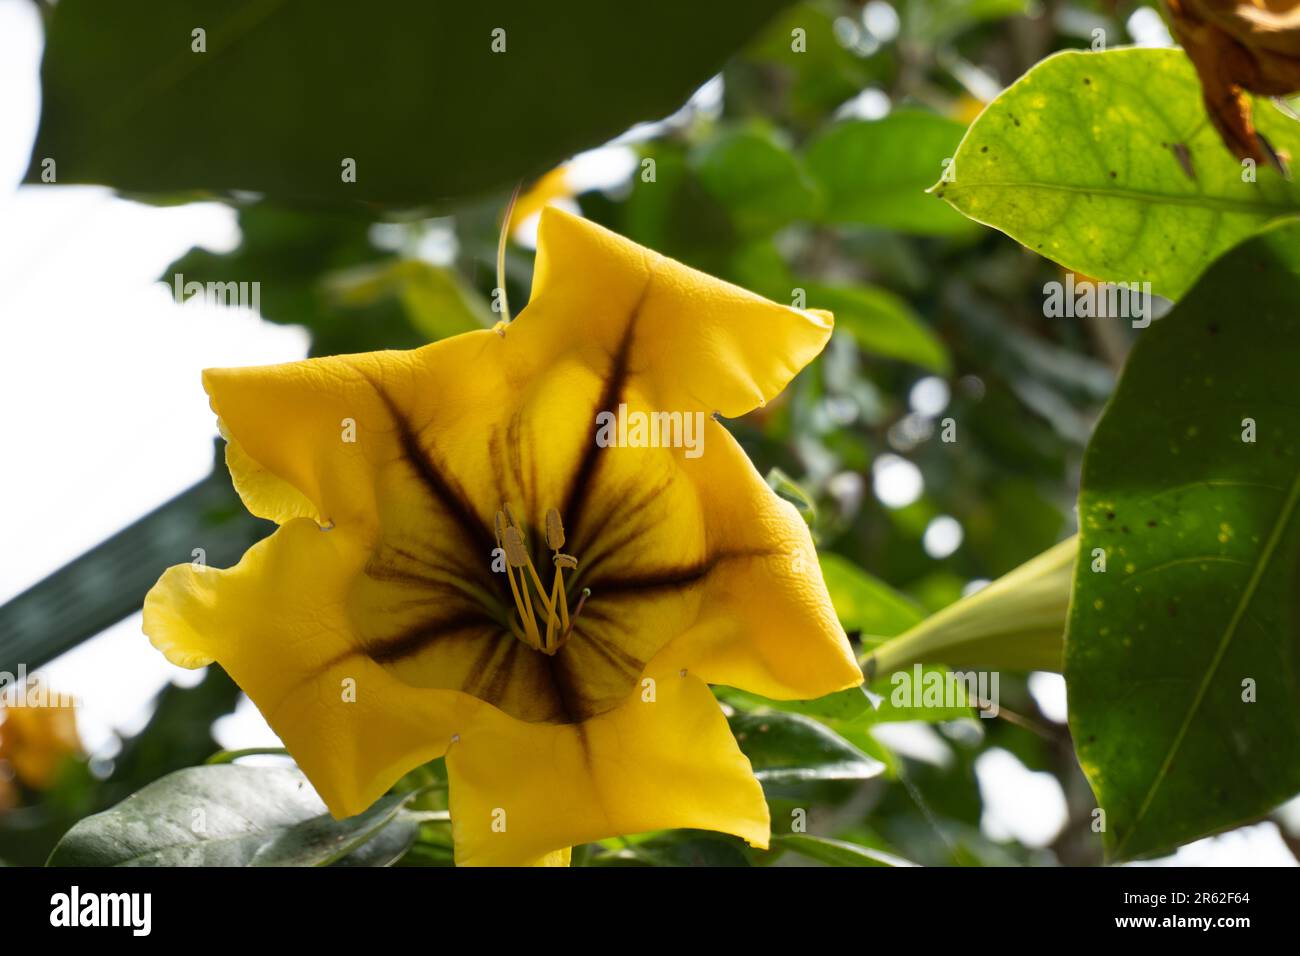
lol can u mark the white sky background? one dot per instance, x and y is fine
(105, 419)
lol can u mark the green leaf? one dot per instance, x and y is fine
(835, 852)
(841, 705)
(793, 492)
(866, 604)
(291, 254)
(1202, 544)
(221, 815)
(756, 178)
(932, 21)
(790, 748)
(876, 172)
(413, 92)
(823, 72)
(672, 848)
(675, 215)
(438, 302)
(875, 611)
(322, 840)
(385, 848)
(1077, 161)
(881, 323)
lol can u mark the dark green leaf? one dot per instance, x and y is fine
(412, 91)
(674, 848)
(790, 748)
(1197, 605)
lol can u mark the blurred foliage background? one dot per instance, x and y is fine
(799, 172)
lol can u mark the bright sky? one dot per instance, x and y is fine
(104, 419)
(99, 384)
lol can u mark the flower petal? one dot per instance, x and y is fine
(264, 493)
(278, 624)
(767, 624)
(324, 428)
(520, 791)
(690, 341)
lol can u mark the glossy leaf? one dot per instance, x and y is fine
(1082, 161)
(790, 748)
(221, 815)
(1181, 655)
(322, 839)
(385, 848)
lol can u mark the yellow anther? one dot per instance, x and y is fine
(516, 553)
(510, 515)
(511, 540)
(554, 530)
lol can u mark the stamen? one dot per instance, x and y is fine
(515, 523)
(561, 562)
(555, 531)
(510, 546)
(510, 538)
(516, 553)
(524, 560)
(555, 541)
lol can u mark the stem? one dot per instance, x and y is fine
(429, 816)
(230, 756)
(502, 240)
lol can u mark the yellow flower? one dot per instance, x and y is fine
(470, 506)
(35, 741)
